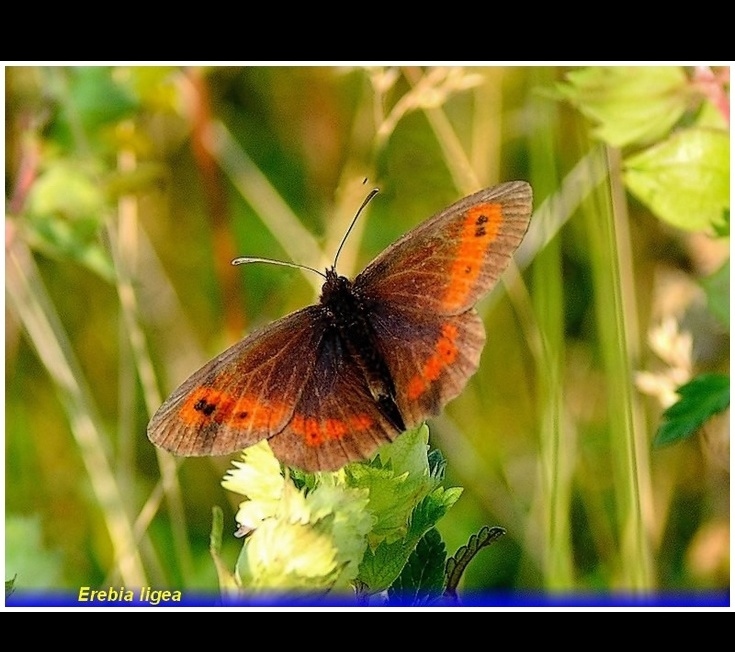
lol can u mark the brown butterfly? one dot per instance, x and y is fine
(330, 383)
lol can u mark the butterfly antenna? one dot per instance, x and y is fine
(242, 260)
(365, 202)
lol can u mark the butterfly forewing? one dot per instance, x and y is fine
(446, 263)
(247, 393)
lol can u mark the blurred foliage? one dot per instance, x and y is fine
(701, 398)
(129, 190)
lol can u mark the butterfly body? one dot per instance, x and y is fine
(330, 383)
(349, 339)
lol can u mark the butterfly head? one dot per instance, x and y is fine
(335, 287)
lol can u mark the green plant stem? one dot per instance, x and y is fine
(35, 310)
(125, 251)
(258, 192)
(556, 434)
(455, 156)
(616, 318)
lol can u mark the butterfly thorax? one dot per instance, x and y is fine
(346, 317)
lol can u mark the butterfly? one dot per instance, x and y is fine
(330, 383)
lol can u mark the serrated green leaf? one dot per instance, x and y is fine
(685, 180)
(428, 512)
(391, 499)
(396, 481)
(380, 567)
(628, 104)
(457, 564)
(422, 579)
(437, 466)
(717, 288)
(701, 398)
(408, 453)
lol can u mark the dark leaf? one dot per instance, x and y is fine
(422, 579)
(456, 565)
(701, 398)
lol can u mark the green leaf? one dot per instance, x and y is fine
(628, 104)
(701, 398)
(431, 509)
(437, 466)
(717, 288)
(422, 579)
(457, 564)
(65, 210)
(98, 97)
(408, 453)
(381, 566)
(397, 479)
(685, 180)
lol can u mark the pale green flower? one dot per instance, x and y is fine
(285, 554)
(258, 478)
(297, 539)
(313, 532)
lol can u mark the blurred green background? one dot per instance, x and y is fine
(130, 189)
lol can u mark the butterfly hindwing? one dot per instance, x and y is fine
(336, 419)
(443, 354)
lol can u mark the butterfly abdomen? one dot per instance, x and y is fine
(347, 316)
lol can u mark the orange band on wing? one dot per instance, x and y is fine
(479, 230)
(315, 431)
(445, 353)
(207, 405)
